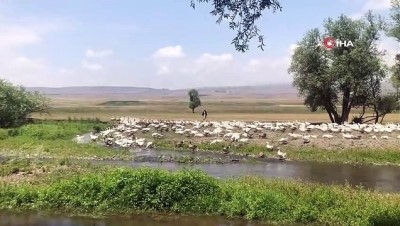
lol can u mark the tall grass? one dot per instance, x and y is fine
(188, 191)
(54, 139)
(50, 130)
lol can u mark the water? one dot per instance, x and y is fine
(31, 219)
(383, 178)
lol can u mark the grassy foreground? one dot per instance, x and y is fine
(127, 191)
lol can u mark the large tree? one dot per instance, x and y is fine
(339, 79)
(395, 78)
(242, 16)
(16, 104)
(194, 99)
(394, 31)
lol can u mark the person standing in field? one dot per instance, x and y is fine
(204, 114)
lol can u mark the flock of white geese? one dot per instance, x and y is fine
(127, 130)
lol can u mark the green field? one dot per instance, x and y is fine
(224, 109)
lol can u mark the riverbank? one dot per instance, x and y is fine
(124, 191)
(355, 155)
(53, 139)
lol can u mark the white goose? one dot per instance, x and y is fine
(281, 155)
(269, 147)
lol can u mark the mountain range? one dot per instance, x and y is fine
(272, 91)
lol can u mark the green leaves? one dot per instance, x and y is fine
(194, 100)
(241, 16)
(16, 104)
(394, 30)
(346, 76)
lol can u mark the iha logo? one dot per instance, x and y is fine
(330, 43)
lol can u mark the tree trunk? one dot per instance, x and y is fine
(376, 116)
(383, 116)
(345, 117)
(345, 106)
(363, 111)
(333, 115)
(192, 110)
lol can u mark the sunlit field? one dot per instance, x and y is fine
(223, 109)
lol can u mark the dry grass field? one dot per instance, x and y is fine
(246, 109)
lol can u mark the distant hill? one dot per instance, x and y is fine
(264, 91)
(84, 90)
(278, 91)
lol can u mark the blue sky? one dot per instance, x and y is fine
(163, 45)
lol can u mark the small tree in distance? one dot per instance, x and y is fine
(194, 100)
(16, 104)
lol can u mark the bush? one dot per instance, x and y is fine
(190, 191)
(3, 134)
(16, 104)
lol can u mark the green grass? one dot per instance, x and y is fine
(54, 139)
(53, 130)
(193, 192)
(9, 167)
(120, 103)
(353, 155)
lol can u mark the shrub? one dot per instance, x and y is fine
(3, 134)
(16, 104)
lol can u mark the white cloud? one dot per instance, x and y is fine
(169, 52)
(163, 70)
(356, 16)
(91, 66)
(15, 37)
(254, 62)
(65, 71)
(98, 54)
(23, 62)
(391, 47)
(221, 70)
(292, 48)
(374, 5)
(270, 67)
(207, 58)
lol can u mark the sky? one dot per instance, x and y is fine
(158, 44)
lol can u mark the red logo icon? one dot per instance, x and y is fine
(329, 42)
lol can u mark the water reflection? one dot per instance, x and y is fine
(7, 219)
(385, 178)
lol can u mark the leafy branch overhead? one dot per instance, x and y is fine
(242, 15)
